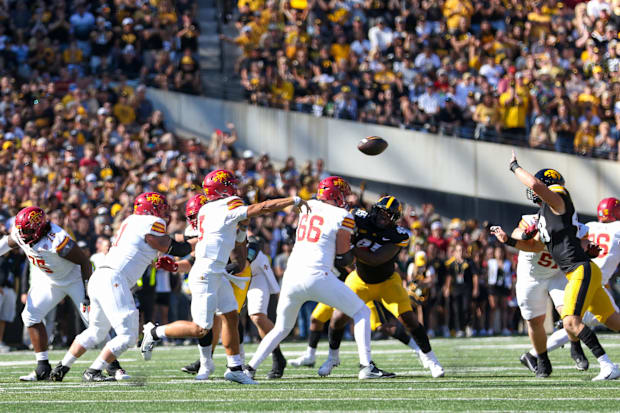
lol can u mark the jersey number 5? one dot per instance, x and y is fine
(309, 228)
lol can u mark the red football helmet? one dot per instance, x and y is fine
(192, 207)
(608, 210)
(334, 188)
(152, 203)
(219, 184)
(31, 224)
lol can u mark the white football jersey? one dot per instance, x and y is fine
(191, 231)
(315, 244)
(217, 226)
(97, 260)
(261, 267)
(607, 236)
(130, 254)
(540, 265)
(46, 256)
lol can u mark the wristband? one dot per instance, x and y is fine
(296, 201)
(511, 242)
(514, 165)
(241, 236)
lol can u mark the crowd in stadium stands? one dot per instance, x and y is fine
(542, 73)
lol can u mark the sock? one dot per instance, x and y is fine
(421, 339)
(543, 356)
(334, 353)
(41, 356)
(313, 339)
(534, 353)
(604, 359)
(205, 353)
(311, 352)
(413, 345)
(99, 364)
(589, 339)
(68, 360)
(401, 334)
(160, 332)
(335, 338)
(234, 360)
(277, 355)
(206, 340)
(575, 347)
(556, 340)
(361, 331)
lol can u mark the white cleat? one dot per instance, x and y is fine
(148, 342)
(121, 375)
(327, 367)
(429, 361)
(304, 360)
(608, 372)
(205, 370)
(238, 376)
(29, 377)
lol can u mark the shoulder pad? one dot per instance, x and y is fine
(360, 213)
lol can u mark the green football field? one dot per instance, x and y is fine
(482, 374)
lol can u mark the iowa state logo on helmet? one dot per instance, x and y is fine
(222, 176)
(35, 217)
(154, 198)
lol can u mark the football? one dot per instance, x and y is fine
(372, 145)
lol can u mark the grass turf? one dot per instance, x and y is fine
(482, 374)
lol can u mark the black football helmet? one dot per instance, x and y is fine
(388, 205)
(548, 177)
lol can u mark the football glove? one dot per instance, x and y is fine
(167, 264)
(529, 232)
(593, 250)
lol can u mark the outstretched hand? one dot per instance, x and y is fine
(499, 233)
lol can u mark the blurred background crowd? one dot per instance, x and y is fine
(79, 138)
(538, 73)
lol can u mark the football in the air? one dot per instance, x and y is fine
(372, 145)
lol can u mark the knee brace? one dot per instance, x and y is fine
(90, 337)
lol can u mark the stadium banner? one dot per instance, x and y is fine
(413, 159)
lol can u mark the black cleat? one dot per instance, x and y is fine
(373, 372)
(529, 361)
(192, 368)
(92, 375)
(576, 352)
(58, 372)
(544, 367)
(277, 370)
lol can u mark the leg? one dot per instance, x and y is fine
(321, 315)
(492, 311)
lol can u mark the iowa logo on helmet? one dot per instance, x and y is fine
(553, 174)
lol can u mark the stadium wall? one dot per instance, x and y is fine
(462, 177)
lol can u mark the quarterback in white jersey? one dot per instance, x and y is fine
(323, 239)
(218, 226)
(58, 268)
(140, 237)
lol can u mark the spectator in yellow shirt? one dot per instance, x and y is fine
(340, 50)
(253, 5)
(283, 92)
(453, 10)
(514, 104)
(584, 139)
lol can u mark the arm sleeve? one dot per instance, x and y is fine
(402, 237)
(347, 223)
(237, 210)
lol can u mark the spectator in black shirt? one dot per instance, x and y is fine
(461, 286)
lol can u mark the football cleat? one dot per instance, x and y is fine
(148, 342)
(529, 361)
(205, 371)
(608, 372)
(191, 368)
(373, 372)
(305, 360)
(115, 370)
(429, 361)
(277, 370)
(327, 367)
(41, 373)
(249, 371)
(92, 375)
(58, 373)
(238, 376)
(581, 361)
(543, 369)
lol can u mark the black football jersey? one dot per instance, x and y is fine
(559, 233)
(367, 235)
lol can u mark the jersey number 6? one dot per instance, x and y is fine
(309, 228)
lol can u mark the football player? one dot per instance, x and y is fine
(323, 240)
(557, 230)
(58, 268)
(208, 279)
(140, 237)
(538, 276)
(376, 244)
